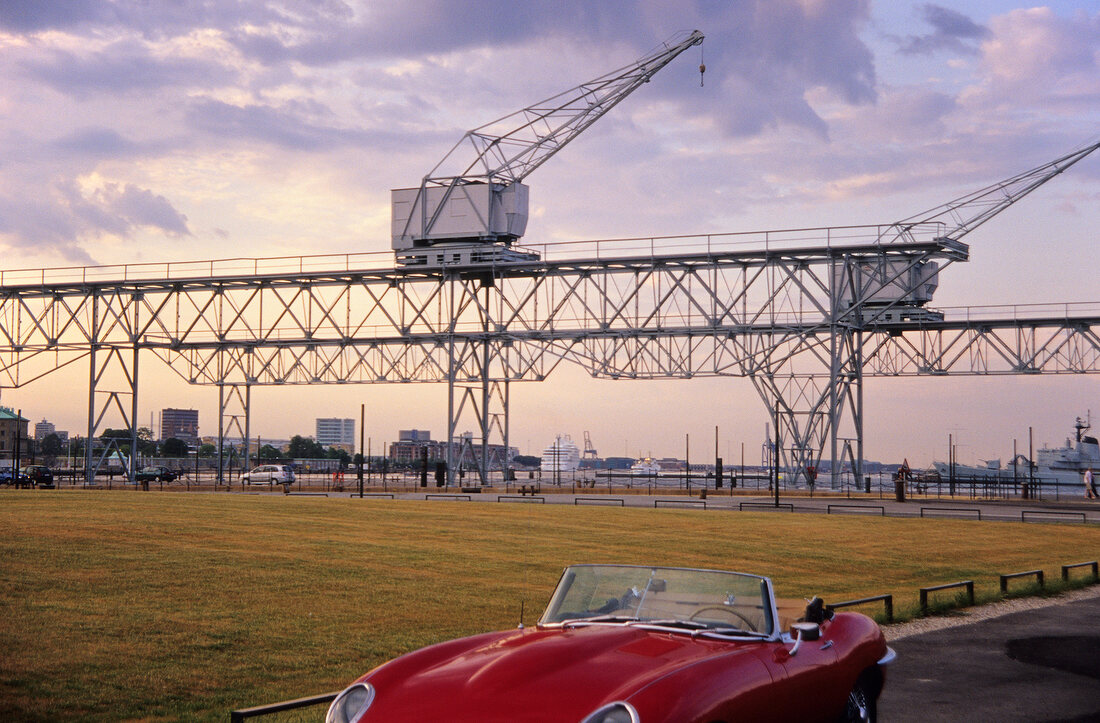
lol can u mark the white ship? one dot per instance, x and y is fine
(561, 456)
(1063, 465)
(646, 465)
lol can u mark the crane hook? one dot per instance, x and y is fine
(702, 65)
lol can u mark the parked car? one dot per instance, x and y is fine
(155, 473)
(269, 474)
(8, 476)
(38, 475)
(629, 644)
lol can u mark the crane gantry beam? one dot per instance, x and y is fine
(745, 314)
(712, 285)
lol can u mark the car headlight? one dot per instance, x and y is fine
(350, 704)
(614, 713)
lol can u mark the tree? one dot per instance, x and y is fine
(51, 445)
(267, 452)
(121, 438)
(207, 450)
(526, 460)
(305, 448)
(340, 454)
(145, 443)
(174, 447)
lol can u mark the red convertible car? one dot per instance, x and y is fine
(629, 644)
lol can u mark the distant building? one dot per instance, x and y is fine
(409, 444)
(12, 427)
(408, 449)
(255, 445)
(43, 429)
(414, 435)
(333, 432)
(180, 423)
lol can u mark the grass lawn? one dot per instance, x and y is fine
(173, 606)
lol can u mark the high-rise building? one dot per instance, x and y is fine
(180, 423)
(43, 429)
(332, 431)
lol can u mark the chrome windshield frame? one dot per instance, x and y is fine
(768, 605)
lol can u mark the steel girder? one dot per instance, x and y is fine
(1041, 344)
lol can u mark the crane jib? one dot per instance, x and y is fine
(475, 213)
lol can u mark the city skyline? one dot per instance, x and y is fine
(176, 133)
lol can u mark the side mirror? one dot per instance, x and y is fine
(816, 612)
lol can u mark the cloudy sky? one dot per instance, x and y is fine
(138, 131)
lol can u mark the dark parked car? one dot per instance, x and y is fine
(38, 475)
(155, 473)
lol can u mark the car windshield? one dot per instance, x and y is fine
(704, 600)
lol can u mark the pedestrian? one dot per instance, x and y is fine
(1090, 484)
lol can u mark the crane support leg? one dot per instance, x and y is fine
(234, 411)
(112, 382)
(815, 408)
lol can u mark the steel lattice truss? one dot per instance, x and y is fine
(783, 316)
(1044, 344)
(715, 313)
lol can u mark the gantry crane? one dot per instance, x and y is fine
(473, 205)
(810, 373)
(589, 449)
(897, 291)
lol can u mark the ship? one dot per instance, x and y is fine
(562, 455)
(1063, 465)
(646, 465)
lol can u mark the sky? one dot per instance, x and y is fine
(137, 131)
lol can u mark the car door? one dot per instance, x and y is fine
(810, 682)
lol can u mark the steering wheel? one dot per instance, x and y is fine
(724, 609)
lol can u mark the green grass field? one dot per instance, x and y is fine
(168, 606)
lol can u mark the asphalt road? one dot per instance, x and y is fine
(1035, 665)
(1074, 511)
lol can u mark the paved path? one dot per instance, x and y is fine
(1065, 511)
(1036, 665)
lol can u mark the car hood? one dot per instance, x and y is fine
(533, 675)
